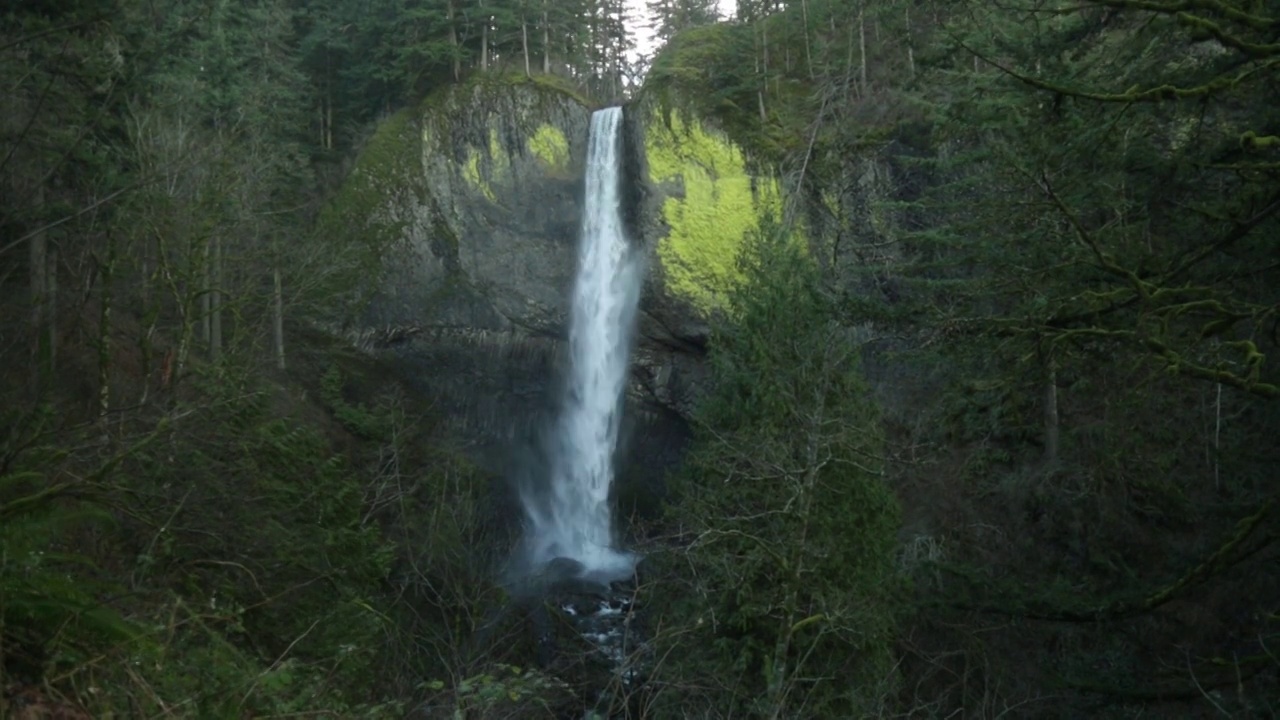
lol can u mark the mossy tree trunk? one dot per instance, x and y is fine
(484, 37)
(214, 293)
(546, 39)
(43, 288)
(277, 317)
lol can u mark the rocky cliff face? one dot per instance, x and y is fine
(474, 199)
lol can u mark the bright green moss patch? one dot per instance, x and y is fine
(474, 175)
(831, 203)
(550, 146)
(721, 202)
(481, 169)
(495, 123)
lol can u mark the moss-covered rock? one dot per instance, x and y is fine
(551, 146)
(711, 201)
(374, 208)
(471, 202)
(699, 193)
(714, 140)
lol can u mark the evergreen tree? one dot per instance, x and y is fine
(66, 77)
(790, 525)
(1093, 199)
(669, 17)
(1061, 221)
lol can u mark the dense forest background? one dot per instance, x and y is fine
(991, 432)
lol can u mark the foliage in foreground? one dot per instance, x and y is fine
(783, 582)
(225, 555)
(1062, 220)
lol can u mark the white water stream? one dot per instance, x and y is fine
(573, 519)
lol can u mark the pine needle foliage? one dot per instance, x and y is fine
(789, 525)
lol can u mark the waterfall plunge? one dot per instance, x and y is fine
(570, 518)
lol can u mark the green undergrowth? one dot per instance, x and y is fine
(243, 547)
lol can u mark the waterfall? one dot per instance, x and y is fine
(570, 517)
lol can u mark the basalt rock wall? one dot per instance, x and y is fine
(472, 201)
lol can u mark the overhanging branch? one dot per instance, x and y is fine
(1220, 560)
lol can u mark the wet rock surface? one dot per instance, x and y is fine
(592, 625)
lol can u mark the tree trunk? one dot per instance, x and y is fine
(41, 305)
(484, 38)
(145, 350)
(328, 101)
(808, 51)
(215, 296)
(546, 41)
(150, 275)
(176, 361)
(849, 85)
(780, 677)
(776, 683)
(911, 55)
(326, 105)
(51, 307)
(764, 66)
(524, 43)
(615, 61)
(277, 319)
(206, 292)
(862, 49)
(1051, 420)
(104, 331)
(453, 41)
(1217, 440)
